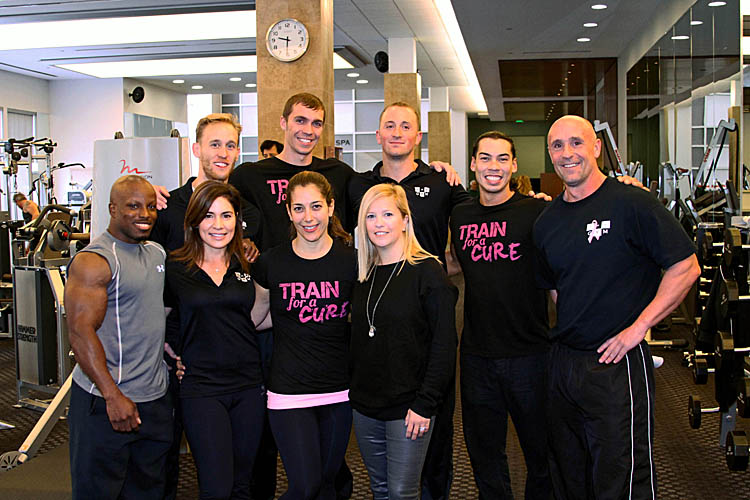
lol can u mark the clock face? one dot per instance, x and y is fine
(287, 40)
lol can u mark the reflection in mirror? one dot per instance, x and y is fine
(681, 97)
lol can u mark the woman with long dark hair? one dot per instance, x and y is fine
(208, 283)
(403, 344)
(310, 280)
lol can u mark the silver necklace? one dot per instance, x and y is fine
(371, 321)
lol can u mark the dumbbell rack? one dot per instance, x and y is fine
(729, 360)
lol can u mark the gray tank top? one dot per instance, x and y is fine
(132, 332)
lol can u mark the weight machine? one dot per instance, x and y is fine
(41, 341)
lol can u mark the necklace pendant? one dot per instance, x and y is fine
(371, 333)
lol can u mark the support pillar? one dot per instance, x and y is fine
(402, 82)
(439, 126)
(313, 72)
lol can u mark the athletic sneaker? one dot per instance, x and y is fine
(658, 361)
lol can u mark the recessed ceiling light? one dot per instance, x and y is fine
(695, 22)
(599, 6)
(361, 81)
(583, 39)
(716, 4)
(235, 79)
(590, 25)
(680, 37)
(178, 81)
(352, 75)
(196, 87)
(250, 85)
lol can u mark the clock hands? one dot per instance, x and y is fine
(287, 42)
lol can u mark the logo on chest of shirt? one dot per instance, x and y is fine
(243, 277)
(422, 192)
(594, 230)
(160, 268)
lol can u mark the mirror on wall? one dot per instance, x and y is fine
(681, 98)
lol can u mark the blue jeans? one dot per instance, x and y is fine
(393, 461)
(490, 390)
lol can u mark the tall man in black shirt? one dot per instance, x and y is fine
(264, 183)
(504, 344)
(602, 248)
(217, 148)
(430, 193)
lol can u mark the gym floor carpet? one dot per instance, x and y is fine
(689, 463)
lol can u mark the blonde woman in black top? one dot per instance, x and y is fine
(403, 344)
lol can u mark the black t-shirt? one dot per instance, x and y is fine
(430, 197)
(169, 230)
(310, 305)
(216, 337)
(505, 314)
(411, 358)
(264, 184)
(604, 256)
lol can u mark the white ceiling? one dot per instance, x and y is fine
(492, 30)
(361, 26)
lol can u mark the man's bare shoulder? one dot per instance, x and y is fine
(90, 268)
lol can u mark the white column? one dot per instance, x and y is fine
(402, 55)
(459, 145)
(439, 99)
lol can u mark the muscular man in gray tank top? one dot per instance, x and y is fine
(120, 420)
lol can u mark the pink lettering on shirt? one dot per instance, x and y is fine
(278, 188)
(303, 298)
(481, 241)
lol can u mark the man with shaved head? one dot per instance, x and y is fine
(616, 262)
(120, 418)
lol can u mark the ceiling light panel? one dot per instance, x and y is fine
(123, 30)
(177, 67)
(166, 67)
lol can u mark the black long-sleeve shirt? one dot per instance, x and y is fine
(409, 361)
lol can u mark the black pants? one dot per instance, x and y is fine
(312, 442)
(106, 464)
(601, 421)
(224, 432)
(173, 457)
(263, 476)
(437, 473)
(491, 389)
